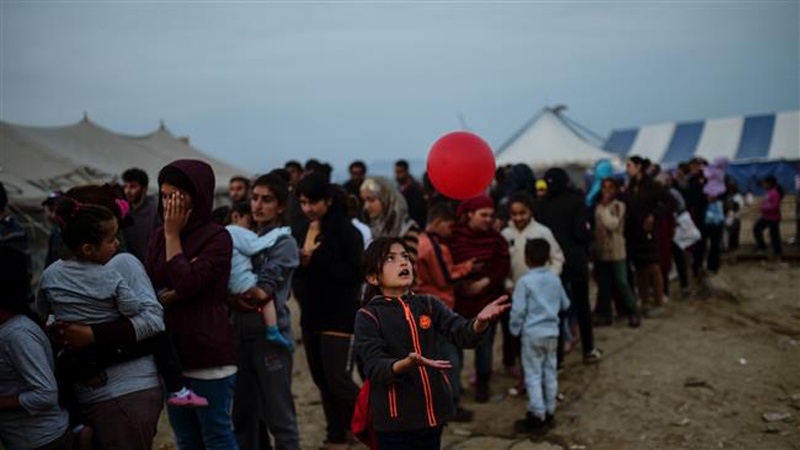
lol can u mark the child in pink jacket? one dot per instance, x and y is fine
(770, 216)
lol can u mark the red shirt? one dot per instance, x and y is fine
(436, 274)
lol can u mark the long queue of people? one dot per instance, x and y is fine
(151, 298)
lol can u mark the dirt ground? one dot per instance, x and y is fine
(744, 354)
(702, 376)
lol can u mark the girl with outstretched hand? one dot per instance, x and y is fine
(395, 338)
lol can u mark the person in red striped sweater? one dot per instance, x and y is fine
(475, 238)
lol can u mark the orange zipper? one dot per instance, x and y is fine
(423, 373)
(392, 402)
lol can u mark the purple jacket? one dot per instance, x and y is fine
(198, 320)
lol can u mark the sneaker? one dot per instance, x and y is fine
(531, 424)
(550, 420)
(593, 357)
(517, 390)
(190, 400)
(634, 321)
(655, 311)
(274, 335)
(463, 415)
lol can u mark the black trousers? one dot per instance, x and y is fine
(577, 288)
(330, 361)
(511, 344)
(711, 242)
(262, 400)
(679, 258)
(774, 235)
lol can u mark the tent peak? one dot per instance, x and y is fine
(558, 109)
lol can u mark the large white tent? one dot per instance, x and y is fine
(549, 139)
(37, 160)
(756, 145)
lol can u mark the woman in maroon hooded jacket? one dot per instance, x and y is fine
(190, 259)
(474, 238)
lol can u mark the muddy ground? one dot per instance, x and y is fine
(741, 355)
(700, 377)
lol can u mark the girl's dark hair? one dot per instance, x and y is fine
(374, 257)
(81, 223)
(524, 198)
(643, 163)
(772, 182)
(108, 196)
(613, 181)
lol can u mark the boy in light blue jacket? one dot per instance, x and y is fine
(538, 299)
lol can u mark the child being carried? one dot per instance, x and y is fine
(243, 281)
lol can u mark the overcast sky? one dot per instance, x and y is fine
(257, 83)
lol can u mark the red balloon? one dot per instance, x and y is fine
(461, 165)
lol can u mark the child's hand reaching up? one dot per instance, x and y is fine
(415, 359)
(490, 313)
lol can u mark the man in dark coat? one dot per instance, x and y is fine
(564, 212)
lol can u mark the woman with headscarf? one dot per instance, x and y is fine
(387, 212)
(190, 256)
(475, 239)
(602, 169)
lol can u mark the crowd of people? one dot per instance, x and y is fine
(147, 300)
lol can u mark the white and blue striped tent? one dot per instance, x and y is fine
(756, 146)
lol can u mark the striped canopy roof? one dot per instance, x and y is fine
(766, 137)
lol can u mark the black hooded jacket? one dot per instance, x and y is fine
(329, 287)
(387, 330)
(564, 212)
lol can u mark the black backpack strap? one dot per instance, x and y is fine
(437, 249)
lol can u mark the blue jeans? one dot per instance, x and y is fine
(427, 439)
(206, 428)
(448, 351)
(541, 376)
